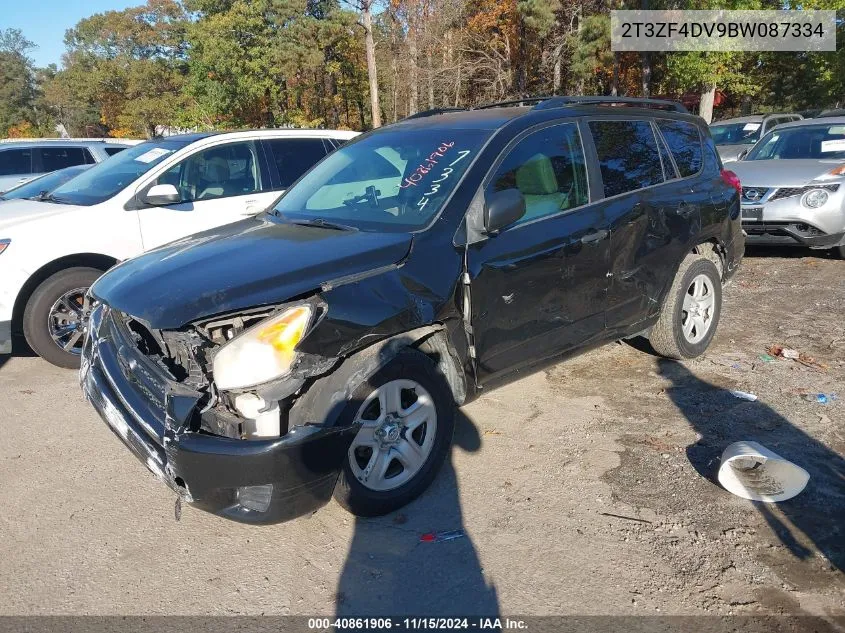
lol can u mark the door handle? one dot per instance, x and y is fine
(594, 236)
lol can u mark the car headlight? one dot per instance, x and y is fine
(262, 353)
(4, 244)
(815, 198)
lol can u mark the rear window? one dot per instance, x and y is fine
(684, 141)
(114, 149)
(53, 158)
(15, 162)
(628, 155)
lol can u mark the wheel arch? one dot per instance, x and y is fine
(323, 399)
(87, 260)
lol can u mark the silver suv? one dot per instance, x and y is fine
(738, 135)
(24, 159)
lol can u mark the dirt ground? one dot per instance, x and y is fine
(585, 488)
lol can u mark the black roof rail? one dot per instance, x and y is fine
(512, 102)
(432, 112)
(662, 104)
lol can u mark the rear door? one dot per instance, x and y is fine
(219, 185)
(539, 286)
(651, 210)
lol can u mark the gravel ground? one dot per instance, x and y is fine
(584, 488)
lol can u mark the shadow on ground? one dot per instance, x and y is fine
(389, 571)
(816, 516)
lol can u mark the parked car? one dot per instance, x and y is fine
(25, 159)
(733, 136)
(321, 347)
(52, 249)
(794, 185)
(42, 185)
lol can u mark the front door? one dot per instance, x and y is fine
(218, 185)
(538, 287)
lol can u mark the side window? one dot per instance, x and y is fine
(549, 169)
(684, 140)
(295, 156)
(628, 155)
(53, 158)
(218, 172)
(14, 162)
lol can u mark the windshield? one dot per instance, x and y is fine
(811, 141)
(43, 184)
(736, 133)
(104, 180)
(392, 180)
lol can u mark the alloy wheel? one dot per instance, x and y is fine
(398, 426)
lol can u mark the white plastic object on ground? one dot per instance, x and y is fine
(751, 471)
(744, 395)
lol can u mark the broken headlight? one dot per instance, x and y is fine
(262, 353)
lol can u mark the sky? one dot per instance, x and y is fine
(45, 22)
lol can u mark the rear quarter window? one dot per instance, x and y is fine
(684, 141)
(628, 155)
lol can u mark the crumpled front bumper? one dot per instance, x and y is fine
(158, 420)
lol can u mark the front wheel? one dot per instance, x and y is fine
(406, 414)
(54, 318)
(691, 310)
(839, 251)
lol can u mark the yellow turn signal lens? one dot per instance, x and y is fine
(287, 331)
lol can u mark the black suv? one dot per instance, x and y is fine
(321, 347)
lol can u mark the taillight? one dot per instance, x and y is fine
(732, 179)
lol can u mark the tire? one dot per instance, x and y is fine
(364, 498)
(839, 251)
(668, 337)
(37, 315)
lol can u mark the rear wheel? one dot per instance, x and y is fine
(840, 251)
(406, 414)
(54, 318)
(691, 310)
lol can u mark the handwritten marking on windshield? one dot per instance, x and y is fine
(444, 175)
(427, 165)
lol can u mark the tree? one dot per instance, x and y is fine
(17, 80)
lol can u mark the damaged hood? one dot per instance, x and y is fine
(247, 264)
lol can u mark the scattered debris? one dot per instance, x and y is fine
(400, 519)
(821, 398)
(27, 392)
(794, 354)
(751, 471)
(622, 516)
(744, 395)
(177, 510)
(766, 358)
(492, 432)
(439, 537)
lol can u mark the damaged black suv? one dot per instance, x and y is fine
(321, 347)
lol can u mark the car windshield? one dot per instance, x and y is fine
(104, 180)
(746, 133)
(43, 184)
(392, 180)
(811, 141)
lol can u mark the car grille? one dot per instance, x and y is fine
(788, 192)
(753, 194)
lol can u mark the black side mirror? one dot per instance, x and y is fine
(502, 209)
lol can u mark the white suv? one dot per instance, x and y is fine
(52, 250)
